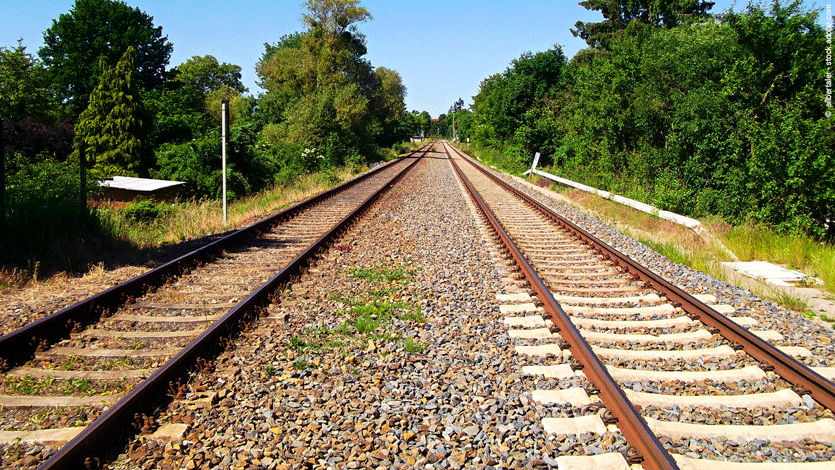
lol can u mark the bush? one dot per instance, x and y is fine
(44, 213)
(145, 211)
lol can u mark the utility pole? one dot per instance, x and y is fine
(2, 186)
(224, 131)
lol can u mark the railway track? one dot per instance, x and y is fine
(305, 388)
(660, 362)
(85, 378)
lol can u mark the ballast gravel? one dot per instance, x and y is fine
(433, 382)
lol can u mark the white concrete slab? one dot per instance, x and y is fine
(608, 461)
(744, 321)
(517, 308)
(677, 322)
(781, 398)
(47, 437)
(673, 338)
(518, 297)
(765, 271)
(648, 299)
(729, 375)
(579, 425)
(560, 371)
(826, 372)
(663, 309)
(686, 463)
(720, 352)
(536, 333)
(575, 396)
(768, 335)
(822, 430)
(530, 321)
(539, 350)
(795, 351)
(29, 401)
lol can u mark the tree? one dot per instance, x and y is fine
(335, 16)
(205, 74)
(323, 93)
(111, 128)
(387, 105)
(503, 100)
(620, 15)
(24, 88)
(95, 28)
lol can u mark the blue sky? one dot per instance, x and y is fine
(442, 50)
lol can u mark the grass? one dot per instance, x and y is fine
(412, 347)
(799, 252)
(792, 302)
(194, 219)
(683, 246)
(669, 250)
(28, 385)
(116, 237)
(369, 314)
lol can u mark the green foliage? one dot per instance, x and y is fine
(322, 94)
(707, 117)
(379, 275)
(505, 102)
(24, 85)
(413, 347)
(43, 211)
(95, 28)
(250, 166)
(205, 74)
(110, 130)
(631, 16)
(145, 211)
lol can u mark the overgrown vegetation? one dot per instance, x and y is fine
(102, 89)
(689, 112)
(369, 315)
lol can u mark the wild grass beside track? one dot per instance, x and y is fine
(749, 242)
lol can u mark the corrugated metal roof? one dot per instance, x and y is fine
(137, 184)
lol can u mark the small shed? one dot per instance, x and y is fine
(127, 189)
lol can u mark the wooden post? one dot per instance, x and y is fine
(82, 168)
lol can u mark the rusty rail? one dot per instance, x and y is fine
(113, 426)
(20, 345)
(631, 424)
(793, 371)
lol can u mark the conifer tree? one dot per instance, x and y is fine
(619, 15)
(110, 129)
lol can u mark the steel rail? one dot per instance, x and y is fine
(19, 345)
(805, 380)
(632, 425)
(113, 426)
